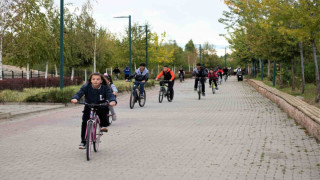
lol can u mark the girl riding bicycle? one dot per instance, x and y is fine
(114, 91)
(96, 91)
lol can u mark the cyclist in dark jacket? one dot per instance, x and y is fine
(96, 92)
(141, 76)
(200, 73)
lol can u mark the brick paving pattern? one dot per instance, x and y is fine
(234, 134)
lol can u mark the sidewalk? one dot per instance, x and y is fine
(10, 110)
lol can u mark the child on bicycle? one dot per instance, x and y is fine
(168, 76)
(213, 78)
(141, 76)
(114, 91)
(96, 91)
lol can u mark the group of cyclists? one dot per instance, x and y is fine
(100, 88)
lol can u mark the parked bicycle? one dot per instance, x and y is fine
(93, 131)
(164, 92)
(136, 97)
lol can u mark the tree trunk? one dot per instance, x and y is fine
(280, 79)
(47, 68)
(56, 70)
(302, 68)
(111, 71)
(85, 76)
(28, 71)
(269, 69)
(314, 49)
(1, 78)
(293, 83)
(72, 74)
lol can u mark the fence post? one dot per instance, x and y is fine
(22, 74)
(38, 73)
(30, 74)
(12, 74)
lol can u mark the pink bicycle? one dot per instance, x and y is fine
(93, 131)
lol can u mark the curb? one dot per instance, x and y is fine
(305, 114)
(6, 116)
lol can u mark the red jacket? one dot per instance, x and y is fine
(169, 75)
(212, 76)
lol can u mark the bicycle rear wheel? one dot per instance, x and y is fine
(181, 79)
(161, 93)
(213, 89)
(97, 135)
(89, 140)
(142, 102)
(132, 99)
(170, 96)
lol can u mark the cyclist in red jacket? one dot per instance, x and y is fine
(168, 76)
(213, 78)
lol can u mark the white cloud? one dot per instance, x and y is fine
(182, 20)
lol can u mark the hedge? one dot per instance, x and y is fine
(21, 83)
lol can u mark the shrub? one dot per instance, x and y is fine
(20, 84)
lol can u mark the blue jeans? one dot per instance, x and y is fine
(137, 83)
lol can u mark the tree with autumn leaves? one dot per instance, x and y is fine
(283, 31)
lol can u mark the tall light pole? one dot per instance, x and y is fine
(146, 28)
(61, 43)
(130, 50)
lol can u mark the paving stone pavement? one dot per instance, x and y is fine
(234, 134)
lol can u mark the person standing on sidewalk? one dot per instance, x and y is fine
(126, 72)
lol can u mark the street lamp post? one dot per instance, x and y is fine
(130, 50)
(61, 43)
(147, 58)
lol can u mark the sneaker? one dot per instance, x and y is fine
(82, 145)
(104, 129)
(114, 117)
(195, 89)
(217, 88)
(141, 96)
(203, 94)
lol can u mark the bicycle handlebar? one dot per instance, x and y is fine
(96, 105)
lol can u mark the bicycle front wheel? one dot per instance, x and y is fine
(213, 89)
(142, 102)
(132, 99)
(161, 93)
(170, 96)
(97, 135)
(89, 140)
(199, 93)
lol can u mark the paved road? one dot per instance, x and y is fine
(234, 134)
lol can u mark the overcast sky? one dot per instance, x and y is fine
(182, 20)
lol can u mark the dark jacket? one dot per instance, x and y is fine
(140, 76)
(95, 96)
(200, 73)
(126, 71)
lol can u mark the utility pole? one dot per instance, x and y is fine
(61, 43)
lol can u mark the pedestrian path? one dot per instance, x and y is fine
(233, 134)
